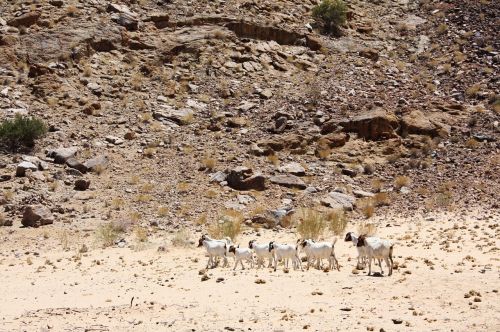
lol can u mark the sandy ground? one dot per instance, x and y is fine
(439, 260)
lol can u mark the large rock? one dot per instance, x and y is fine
(36, 216)
(82, 185)
(168, 113)
(74, 163)
(289, 181)
(60, 155)
(94, 164)
(242, 178)
(338, 200)
(23, 166)
(293, 168)
(26, 20)
(418, 123)
(373, 125)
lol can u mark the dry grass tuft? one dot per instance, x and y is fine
(162, 211)
(401, 181)
(228, 225)
(181, 238)
(311, 224)
(141, 234)
(273, 159)
(366, 206)
(209, 163)
(382, 199)
(368, 229)
(107, 234)
(472, 143)
(337, 221)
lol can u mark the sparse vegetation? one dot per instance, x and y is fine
(331, 14)
(311, 223)
(366, 206)
(337, 221)
(181, 238)
(21, 131)
(229, 224)
(141, 234)
(107, 234)
(401, 181)
(209, 163)
(162, 211)
(367, 228)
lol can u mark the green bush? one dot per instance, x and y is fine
(21, 131)
(331, 14)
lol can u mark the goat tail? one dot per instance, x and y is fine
(391, 248)
(334, 241)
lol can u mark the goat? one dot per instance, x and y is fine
(320, 250)
(361, 250)
(240, 254)
(262, 252)
(215, 248)
(379, 249)
(285, 252)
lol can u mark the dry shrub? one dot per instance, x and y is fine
(187, 119)
(183, 187)
(472, 143)
(209, 163)
(369, 168)
(366, 206)
(311, 223)
(87, 70)
(382, 199)
(141, 234)
(367, 228)
(273, 159)
(146, 117)
(149, 152)
(228, 225)
(107, 234)
(377, 184)
(401, 181)
(391, 159)
(202, 219)
(117, 203)
(147, 187)
(143, 198)
(211, 193)
(337, 221)
(4, 221)
(473, 90)
(181, 238)
(162, 211)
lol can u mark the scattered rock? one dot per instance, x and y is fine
(25, 20)
(242, 178)
(373, 125)
(289, 181)
(96, 163)
(75, 164)
(36, 216)
(23, 166)
(60, 155)
(293, 168)
(82, 185)
(397, 321)
(338, 200)
(168, 113)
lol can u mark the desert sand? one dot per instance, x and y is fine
(446, 279)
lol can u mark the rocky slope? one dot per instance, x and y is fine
(163, 103)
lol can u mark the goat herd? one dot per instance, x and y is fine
(368, 247)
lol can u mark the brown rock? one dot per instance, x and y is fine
(25, 19)
(241, 178)
(418, 123)
(82, 185)
(289, 181)
(36, 216)
(369, 53)
(73, 163)
(96, 163)
(376, 124)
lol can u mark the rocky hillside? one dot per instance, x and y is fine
(167, 113)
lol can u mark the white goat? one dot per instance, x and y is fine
(379, 249)
(361, 250)
(319, 250)
(262, 252)
(241, 254)
(285, 252)
(215, 249)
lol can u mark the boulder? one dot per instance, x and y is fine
(75, 164)
(333, 140)
(82, 185)
(293, 168)
(376, 124)
(96, 163)
(242, 178)
(60, 155)
(362, 193)
(218, 177)
(23, 166)
(26, 19)
(127, 20)
(36, 216)
(369, 53)
(168, 113)
(418, 123)
(338, 200)
(289, 181)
